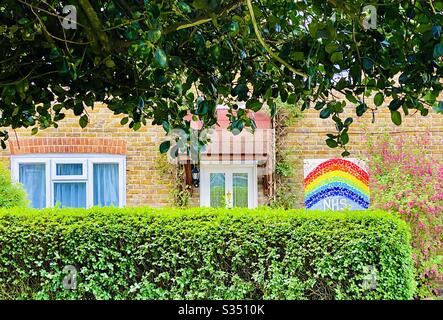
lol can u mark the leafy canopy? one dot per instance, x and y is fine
(159, 60)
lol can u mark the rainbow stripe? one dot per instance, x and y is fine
(337, 178)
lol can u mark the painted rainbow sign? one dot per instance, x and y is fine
(336, 184)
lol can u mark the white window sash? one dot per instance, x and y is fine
(228, 169)
(56, 161)
(15, 163)
(121, 179)
(88, 160)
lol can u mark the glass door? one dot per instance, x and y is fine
(228, 186)
(240, 189)
(217, 189)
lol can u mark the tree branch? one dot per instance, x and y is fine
(95, 24)
(203, 19)
(264, 45)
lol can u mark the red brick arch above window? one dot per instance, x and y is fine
(67, 145)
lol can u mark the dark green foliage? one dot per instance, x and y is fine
(143, 58)
(203, 254)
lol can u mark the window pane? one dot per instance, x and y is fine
(70, 195)
(33, 178)
(69, 169)
(106, 188)
(217, 189)
(240, 181)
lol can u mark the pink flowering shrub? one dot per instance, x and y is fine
(406, 180)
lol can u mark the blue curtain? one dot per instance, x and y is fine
(33, 178)
(70, 194)
(106, 189)
(69, 169)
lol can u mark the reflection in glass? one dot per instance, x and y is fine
(240, 181)
(217, 189)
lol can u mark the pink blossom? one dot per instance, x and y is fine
(405, 178)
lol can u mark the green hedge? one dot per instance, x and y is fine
(147, 253)
(11, 194)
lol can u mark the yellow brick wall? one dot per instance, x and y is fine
(307, 137)
(145, 185)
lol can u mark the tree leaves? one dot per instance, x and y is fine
(368, 63)
(153, 35)
(83, 121)
(438, 50)
(336, 57)
(164, 146)
(361, 109)
(110, 63)
(254, 105)
(166, 126)
(331, 47)
(233, 28)
(439, 107)
(378, 99)
(241, 91)
(396, 117)
(160, 58)
(331, 143)
(124, 121)
(160, 53)
(436, 32)
(344, 137)
(325, 113)
(350, 97)
(395, 104)
(184, 7)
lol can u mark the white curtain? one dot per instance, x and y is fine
(106, 189)
(33, 178)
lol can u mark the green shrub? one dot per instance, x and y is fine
(147, 253)
(11, 194)
(407, 180)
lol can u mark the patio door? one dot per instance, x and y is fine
(231, 186)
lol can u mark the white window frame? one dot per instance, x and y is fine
(228, 168)
(87, 160)
(17, 160)
(83, 162)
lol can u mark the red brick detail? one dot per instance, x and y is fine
(67, 145)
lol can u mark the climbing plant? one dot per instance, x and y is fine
(285, 195)
(180, 193)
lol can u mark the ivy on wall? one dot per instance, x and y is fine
(285, 195)
(180, 193)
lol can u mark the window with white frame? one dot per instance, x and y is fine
(71, 181)
(228, 184)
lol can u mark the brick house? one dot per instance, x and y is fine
(109, 164)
